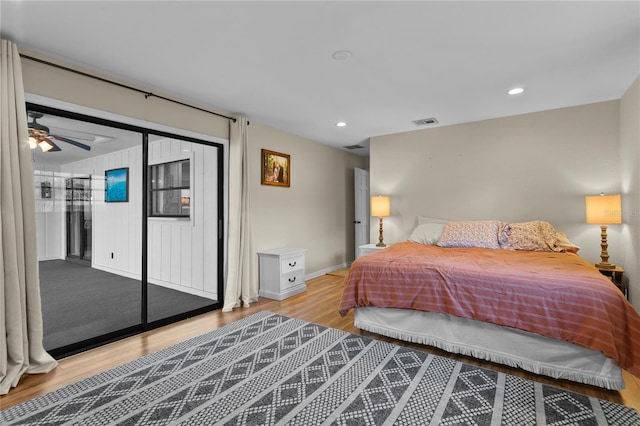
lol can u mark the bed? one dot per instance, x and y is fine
(526, 300)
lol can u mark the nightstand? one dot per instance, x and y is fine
(370, 248)
(282, 273)
(616, 275)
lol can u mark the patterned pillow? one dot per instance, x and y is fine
(549, 234)
(482, 233)
(523, 236)
(535, 235)
(563, 245)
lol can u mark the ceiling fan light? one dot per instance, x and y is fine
(33, 143)
(45, 146)
(38, 127)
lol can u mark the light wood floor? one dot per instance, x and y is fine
(319, 304)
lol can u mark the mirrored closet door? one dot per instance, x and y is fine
(129, 228)
(183, 226)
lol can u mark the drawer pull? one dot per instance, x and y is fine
(291, 280)
(292, 264)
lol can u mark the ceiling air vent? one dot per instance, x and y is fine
(353, 147)
(425, 121)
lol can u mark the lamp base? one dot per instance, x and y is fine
(605, 265)
(380, 241)
(604, 254)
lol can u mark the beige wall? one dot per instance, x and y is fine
(630, 165)
(315, 213)
(532, 166)
(44, 80)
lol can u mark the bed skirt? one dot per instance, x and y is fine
(508, 346)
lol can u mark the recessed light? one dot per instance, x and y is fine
(341, 55)
(515, 91)
(341, 124)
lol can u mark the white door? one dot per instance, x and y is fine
(361, 220)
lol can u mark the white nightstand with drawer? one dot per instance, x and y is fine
(282, 273)
(370, 248)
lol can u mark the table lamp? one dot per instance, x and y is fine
(380, 207)
(604, 210)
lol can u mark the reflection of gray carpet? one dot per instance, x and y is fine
(269, 369)
(79, 302)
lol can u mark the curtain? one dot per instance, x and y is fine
(21, 349)
(241, 287)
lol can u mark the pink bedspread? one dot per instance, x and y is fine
(558, 295)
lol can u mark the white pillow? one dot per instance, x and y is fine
(427, 233)
(423, 219)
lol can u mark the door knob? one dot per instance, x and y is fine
(356, 221)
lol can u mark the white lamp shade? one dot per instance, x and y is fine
(603, 209)
(45, 146)
(380, 206)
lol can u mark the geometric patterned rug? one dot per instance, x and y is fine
(269, 369)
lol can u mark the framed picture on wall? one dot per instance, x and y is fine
(45, 189)
(116, 186)
(276, 168)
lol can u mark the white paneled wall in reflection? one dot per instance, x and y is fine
(183, 252)
(116, 227)
(49, 187)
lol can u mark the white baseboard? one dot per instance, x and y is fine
(183, 289)
(126, 274)
(326, 270)
(46, 258)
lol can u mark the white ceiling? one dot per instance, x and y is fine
(272, 61)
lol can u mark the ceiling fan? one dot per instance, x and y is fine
(39, 136)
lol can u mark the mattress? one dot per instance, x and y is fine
(509, 346)
(556, 295)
